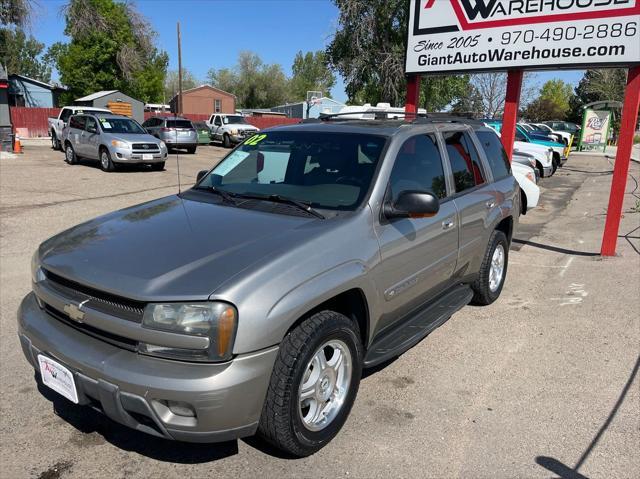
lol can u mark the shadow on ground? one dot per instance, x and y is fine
(565, 472)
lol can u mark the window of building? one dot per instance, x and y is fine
(217, 107)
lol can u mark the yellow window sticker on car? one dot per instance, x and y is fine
(255, 139)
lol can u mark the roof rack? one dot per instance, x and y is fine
(377, 115)
(418, 118)
(446, 118)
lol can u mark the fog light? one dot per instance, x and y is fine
(119, 155)
(180, 408)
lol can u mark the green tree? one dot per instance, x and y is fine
(597, 85)
(23, 55)
(553, 102)
(311, 73)
(112, 47)
(15, 12)
(470, 103)
(255, 84)
(171, 83)
(368, 50)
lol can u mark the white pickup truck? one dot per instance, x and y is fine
(230, 129)
(57, 124)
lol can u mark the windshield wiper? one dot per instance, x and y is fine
(284, 200)
(222, 193)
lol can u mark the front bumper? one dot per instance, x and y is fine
(121, 155)
(240, 137)
(133, 389)
(547, 171)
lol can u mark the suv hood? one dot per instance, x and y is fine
(134, 138)
(171, 249)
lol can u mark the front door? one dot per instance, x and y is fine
(418, 254)
(474, 197)
(217, 124)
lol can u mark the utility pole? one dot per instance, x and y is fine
(179, 112)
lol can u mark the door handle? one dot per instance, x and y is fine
(490, 204)
(447, 224)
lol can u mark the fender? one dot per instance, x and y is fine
(308, 295)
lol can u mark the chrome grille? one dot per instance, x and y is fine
(144, 147)
(117, 306)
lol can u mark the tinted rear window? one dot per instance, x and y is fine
(179, 124)
(496, 155)
(465, 163)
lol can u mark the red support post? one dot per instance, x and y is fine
(413, 94)
(623, 157)
(510, 116)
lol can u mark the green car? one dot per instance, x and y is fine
(204, 134)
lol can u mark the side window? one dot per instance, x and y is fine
(77, 122)
(66, 113)
(497, 157)
(217, 121)
(520, 136)
(147, 123)
(418, 166)
(465, 162)
(91, 124)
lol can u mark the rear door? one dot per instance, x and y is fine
(91, 138)
(418, 254)
(75, 132)
(474, 197)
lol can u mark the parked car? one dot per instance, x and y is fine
(563, 126)
(562, 136)
(526, 159)
(230, 129)
(203, 131)
(544, 156)
(176, 132)
(56, 125)
(112, 140)
(304, 256)
(529, 190)
(559, 155)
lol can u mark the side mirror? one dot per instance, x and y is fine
(92, 129)
(413, 204)
(201, 174)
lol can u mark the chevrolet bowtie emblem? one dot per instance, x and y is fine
(74, 312)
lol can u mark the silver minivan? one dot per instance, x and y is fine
(175, 131)
(112, 140)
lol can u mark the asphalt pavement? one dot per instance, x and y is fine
(543, 383)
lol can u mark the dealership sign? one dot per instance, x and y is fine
(595, 128)
(482, 35)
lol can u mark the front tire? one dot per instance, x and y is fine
(158, 166)
(226, 141)
(313, 385)
(55, 142)
(488, 286)
(191, 150)
(105, 161)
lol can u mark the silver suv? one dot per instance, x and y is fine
(309, 253)
(112, 140)
(176, 132)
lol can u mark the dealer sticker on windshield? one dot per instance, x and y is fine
(58, 378)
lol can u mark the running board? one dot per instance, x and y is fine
(411, 331)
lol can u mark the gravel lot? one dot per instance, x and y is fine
(542, 383)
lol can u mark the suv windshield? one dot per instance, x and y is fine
(324, 170)
(234, 119)
(121, 125)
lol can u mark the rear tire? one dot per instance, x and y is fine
(226, 141)
(70, 154)
(105, 161)
(300, 425)
(488, 286)
(55, 143)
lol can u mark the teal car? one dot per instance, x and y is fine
(203, 131)
(559, 156)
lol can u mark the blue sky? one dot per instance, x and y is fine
(214, 31)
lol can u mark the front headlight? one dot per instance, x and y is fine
(37, 275)
(163, 145)
(233, 131)
(549, 154)
(531, 176)
(215, 320)
(120, 144)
